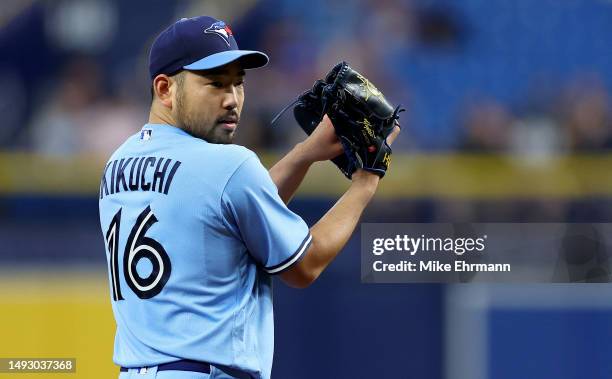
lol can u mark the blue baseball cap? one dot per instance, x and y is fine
(199, 43)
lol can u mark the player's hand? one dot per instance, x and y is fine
(322, 144)
(367, 178)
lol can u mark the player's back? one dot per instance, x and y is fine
(182, 283)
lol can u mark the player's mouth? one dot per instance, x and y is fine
(229, 123)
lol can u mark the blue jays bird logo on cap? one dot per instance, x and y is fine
(221, 29)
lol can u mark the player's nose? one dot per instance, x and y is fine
(230, 99)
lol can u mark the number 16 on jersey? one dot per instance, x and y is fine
(138, 247)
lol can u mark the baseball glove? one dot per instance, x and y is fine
(361, 116)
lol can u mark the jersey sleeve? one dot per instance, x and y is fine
(274, 236)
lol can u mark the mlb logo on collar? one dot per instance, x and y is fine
(221, 29)
(145, 134)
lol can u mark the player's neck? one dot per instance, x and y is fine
(156, 116)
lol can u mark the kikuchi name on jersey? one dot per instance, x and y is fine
(138, 174)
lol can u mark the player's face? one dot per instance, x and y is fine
(208, 103)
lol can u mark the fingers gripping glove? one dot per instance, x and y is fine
(361, 116)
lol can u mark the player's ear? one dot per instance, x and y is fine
(162, 89)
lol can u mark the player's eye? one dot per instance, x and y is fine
(216, 84)
(239, 83)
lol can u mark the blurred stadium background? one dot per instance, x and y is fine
(509, 120)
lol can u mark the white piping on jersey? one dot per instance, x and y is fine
(295, 258)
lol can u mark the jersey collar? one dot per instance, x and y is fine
(164, 129)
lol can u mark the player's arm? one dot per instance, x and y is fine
(333, 230)
(289, 172)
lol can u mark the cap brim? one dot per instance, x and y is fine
(248, 59)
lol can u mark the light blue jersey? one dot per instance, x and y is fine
(193, 231)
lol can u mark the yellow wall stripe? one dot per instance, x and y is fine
(58, 315)
(479, 176)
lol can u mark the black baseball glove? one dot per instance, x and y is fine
(361, 116)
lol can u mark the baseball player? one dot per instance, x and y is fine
(195, 227)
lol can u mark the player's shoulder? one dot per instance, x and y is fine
(228, 155)
(198, 158)
(212, 168)
(232, 152)
(219, 163)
